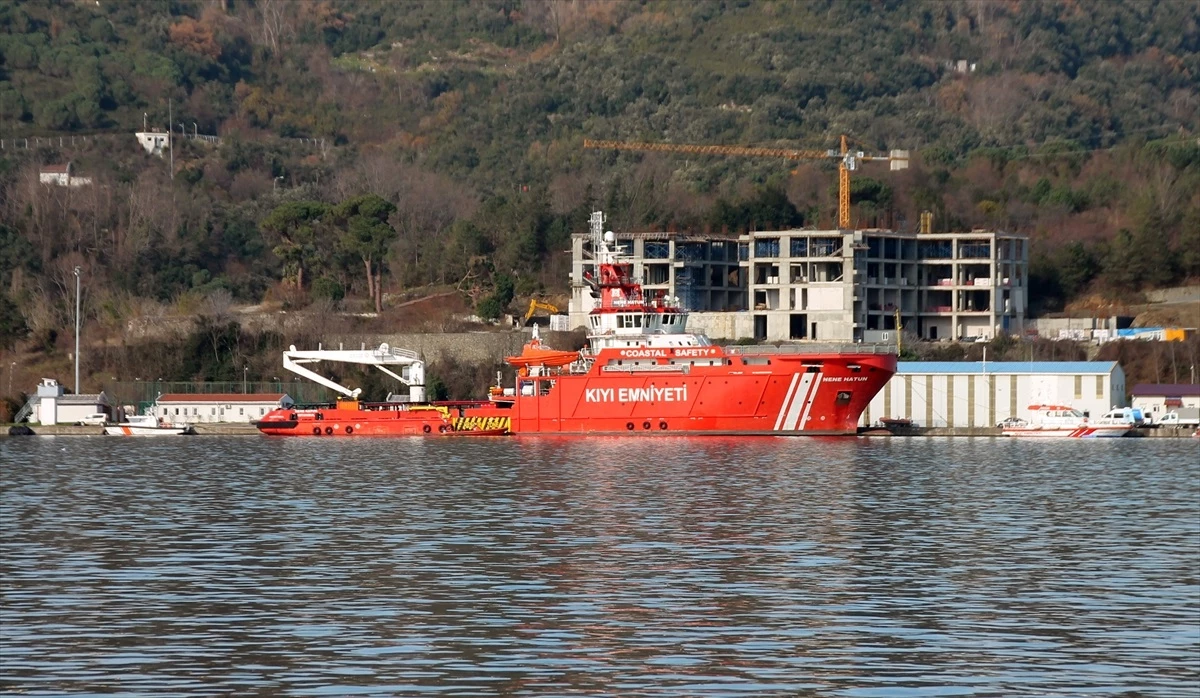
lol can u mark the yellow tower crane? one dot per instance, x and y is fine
(848, 161)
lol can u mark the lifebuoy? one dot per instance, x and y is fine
(645, 425)
(349, 431)
(328, 431)
(316, 431)
(426, 428)
(629, 426)
(662, 425)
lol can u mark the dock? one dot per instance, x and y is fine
(217, 429)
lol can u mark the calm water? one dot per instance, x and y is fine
(885, 567)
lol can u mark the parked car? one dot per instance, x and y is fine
(98, 419)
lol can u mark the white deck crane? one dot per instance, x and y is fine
(412, 371)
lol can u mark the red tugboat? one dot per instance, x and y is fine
(642, 374)
(400, 415)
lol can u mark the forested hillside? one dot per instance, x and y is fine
(372, 147)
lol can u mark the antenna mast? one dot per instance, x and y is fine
(596, 224)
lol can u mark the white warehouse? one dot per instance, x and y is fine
(201, 408)
(983, 394)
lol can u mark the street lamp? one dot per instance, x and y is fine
(244, 370)
(195, 131)
(11, 366)
(76, 330)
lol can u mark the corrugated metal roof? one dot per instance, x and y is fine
(221, 397)
(1166, 390)
(83, 399)
(1087, 367)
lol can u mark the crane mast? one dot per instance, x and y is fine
(848, 160)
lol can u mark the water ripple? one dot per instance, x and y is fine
(668, 566)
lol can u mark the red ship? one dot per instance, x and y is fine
(642, 374)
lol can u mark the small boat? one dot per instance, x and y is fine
(146, 425)
(1058, 421)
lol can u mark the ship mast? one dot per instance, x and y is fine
(596, 224)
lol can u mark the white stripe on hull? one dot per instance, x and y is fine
(798, 402)
(811, 399)
(787, 400)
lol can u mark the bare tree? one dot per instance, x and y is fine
(276, 22)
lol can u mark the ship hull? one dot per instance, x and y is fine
(354, 421)
(1080, 432)
(796, 394)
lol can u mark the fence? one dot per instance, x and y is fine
(33, 142)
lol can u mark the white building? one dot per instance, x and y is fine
(60, 175)
(199, 408)
(154, 142)
(977, 394)
(1157, 400)
(50, 406)
(832, 286)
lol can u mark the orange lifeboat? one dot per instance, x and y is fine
(536, 354)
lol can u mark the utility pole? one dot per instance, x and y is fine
(244, 370)
(169, 146)
(76, 330)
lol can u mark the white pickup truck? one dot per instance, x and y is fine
(1183, 417)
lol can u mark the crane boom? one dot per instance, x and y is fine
(785, 153)
(847, 160)
(379, 358)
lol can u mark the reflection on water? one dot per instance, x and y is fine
(885, 567)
